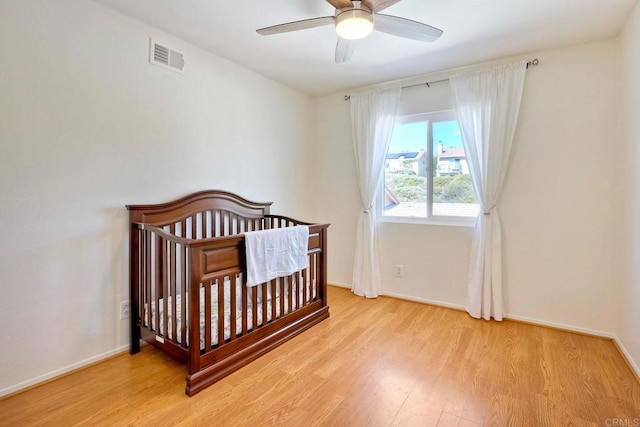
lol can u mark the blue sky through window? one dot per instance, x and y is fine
(413, 136)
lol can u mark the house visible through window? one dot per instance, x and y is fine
(426, 173)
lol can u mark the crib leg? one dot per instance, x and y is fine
(135, 332)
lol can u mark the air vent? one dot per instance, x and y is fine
(163, 56)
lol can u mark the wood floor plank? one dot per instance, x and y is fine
(382, 362)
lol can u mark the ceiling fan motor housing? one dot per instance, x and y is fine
(354, 23)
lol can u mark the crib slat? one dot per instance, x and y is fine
(163, 246)
(194, 226)
(264, 304)
(296, 294)
(290, 295)
(157, 243)
(313, 269)
(300, 291)
(207, 315)
(281, 281)
(245, 305)
(183, 299)
(313, 282)
(272, 304)
(173, 280)
(232, 306)
(254, 308)
(221, 313)
(203, 223)
(303, 291)
(307, 300)
(317, 272)
(214, 223)
(147, 278)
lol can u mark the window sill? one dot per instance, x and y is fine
(440, 220)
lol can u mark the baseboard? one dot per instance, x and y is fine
(625, 354)
(42, 379)
(561, 326)
(405, 297)
(339, 285)
(424, 301)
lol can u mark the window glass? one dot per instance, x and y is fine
(426, 170)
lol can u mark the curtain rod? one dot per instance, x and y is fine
(533, 62)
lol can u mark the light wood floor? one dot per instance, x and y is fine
(373, 363)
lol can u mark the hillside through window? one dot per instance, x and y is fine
(426, 173)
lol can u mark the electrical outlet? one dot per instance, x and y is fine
(125, 310)
(399, 270)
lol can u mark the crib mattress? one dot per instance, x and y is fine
(237, 312)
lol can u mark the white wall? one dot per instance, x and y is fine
(87, 125)
(557, 208)
(627, 249)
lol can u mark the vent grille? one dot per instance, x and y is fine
(163, 56)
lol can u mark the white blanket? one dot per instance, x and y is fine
(277, 252)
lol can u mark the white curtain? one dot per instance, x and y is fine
(373, 115)
(487, 103)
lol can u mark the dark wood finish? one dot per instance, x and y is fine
(193, 249)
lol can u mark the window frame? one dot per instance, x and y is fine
(430, 219)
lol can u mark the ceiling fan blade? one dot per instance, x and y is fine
(344, 50)
(406, 28)
(340, 4)
(379, 5)
(297, 25)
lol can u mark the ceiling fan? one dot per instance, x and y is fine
(357, 19)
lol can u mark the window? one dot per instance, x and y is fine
(426, 175)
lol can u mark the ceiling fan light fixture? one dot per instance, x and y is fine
(354, 24)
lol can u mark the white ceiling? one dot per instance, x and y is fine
(474, 31)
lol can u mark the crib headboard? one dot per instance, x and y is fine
(169, 213)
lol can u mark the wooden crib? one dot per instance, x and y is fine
(194, 246)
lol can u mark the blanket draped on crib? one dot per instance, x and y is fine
(274, 253)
